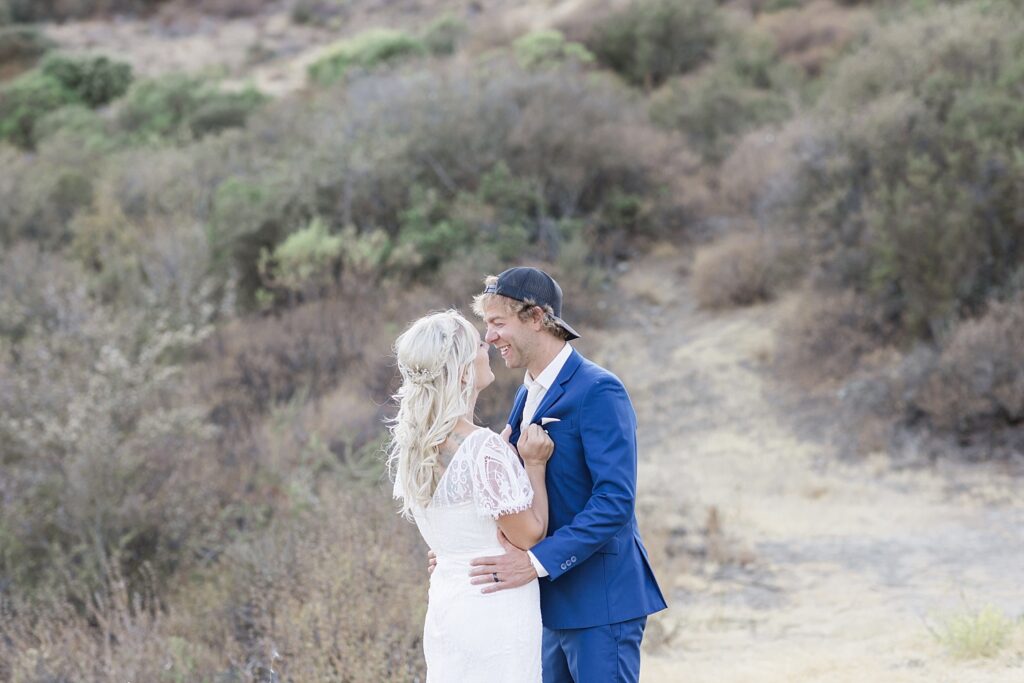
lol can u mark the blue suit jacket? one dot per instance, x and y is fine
(598, 568)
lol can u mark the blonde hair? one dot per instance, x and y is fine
(435, 357)
(523, 309)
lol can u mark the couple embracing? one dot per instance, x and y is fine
(538, 572)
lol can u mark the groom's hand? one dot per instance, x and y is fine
(431, 562)
(513, 569)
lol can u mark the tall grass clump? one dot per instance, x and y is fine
(977, 634)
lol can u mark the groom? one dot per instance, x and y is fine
(596, 584)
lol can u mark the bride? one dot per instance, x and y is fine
(464, 486)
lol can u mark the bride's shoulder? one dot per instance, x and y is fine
(492, 442)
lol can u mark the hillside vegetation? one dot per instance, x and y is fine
(199, 283)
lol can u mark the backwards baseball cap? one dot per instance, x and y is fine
(536, 286)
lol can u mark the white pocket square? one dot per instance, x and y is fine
(548, 420)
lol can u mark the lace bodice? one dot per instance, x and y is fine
(486, 471)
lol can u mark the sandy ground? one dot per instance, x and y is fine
(781, 561)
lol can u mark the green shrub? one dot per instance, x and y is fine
(305, 261)
(744, 88)
(713, 111)
(95, 81)
(221, 111)
(366, 50)
(544, 48)
(442, 35)
(76, 119)
(179, 107)
(912, 191)
(25, 101)
(652, 40)
(248, 216)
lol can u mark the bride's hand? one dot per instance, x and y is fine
(535, 446)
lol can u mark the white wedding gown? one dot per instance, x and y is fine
(469, 636)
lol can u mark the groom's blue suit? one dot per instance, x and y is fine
(600, 586)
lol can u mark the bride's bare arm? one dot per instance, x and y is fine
(525, 529)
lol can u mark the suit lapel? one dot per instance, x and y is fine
(516, 417)
(557, 389)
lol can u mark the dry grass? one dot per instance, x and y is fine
(334, 592)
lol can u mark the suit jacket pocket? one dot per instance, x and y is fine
(562, 424)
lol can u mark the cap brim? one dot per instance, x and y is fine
(573, 334)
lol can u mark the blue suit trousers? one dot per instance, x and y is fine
(609, 653)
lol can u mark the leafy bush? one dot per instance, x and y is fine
(95, 81)
(912, 188)
(543, 48)
(25, 101)
(743, 88)
(60, 81)
(304, 262)
(179, 107)
(366, 50)
(75, 119)
(443, 35)
(651, 40)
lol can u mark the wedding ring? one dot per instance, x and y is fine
(494, 575)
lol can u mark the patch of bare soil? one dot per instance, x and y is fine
(783, 561)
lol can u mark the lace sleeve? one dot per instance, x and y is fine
(500, 484)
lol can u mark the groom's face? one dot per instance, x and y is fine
(513, 338)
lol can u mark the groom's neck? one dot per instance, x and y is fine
(547, 349)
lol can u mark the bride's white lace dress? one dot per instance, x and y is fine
(469, 636)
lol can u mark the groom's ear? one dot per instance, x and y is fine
(537, 316)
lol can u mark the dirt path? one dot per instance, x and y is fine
(782, 562)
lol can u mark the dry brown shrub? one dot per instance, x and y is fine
(743, 269)
(827, 336)
(760, 176)
(333, 591)
(978, 383)
(812, 35)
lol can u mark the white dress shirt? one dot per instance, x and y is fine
(535, 391)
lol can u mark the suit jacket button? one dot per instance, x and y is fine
(563, 566)
(572, 559)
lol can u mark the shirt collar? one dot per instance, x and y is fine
(548, 376)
